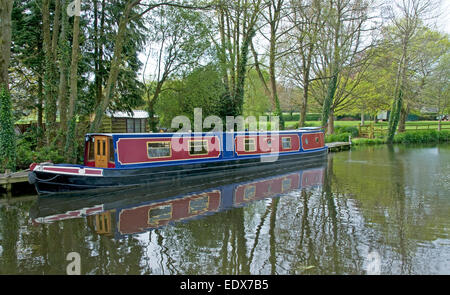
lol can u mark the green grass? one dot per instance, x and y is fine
(421, 136)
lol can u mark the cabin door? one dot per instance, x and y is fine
(101, 151)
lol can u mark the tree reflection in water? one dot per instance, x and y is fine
(383, 200)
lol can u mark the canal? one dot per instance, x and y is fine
(376, 210)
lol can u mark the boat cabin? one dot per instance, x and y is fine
(125, 150)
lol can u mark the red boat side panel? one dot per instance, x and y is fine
(312, 178)
(138, 219)
(134, 150)
(62, 169)
(265, 188)
(266, 144)
(311, 141)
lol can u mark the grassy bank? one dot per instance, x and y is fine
(422, 136)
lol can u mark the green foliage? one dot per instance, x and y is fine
(368, 141)
(28, 152)
(353, 130)
(338, 137)
(256, 102)
(202, 88)
(423, 136)
(7, 135)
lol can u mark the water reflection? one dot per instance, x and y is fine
(142, 209)
(327, 218)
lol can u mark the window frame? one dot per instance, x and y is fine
(160, 157)
(253, 142)
(160, 217)
(290, 142)
(203, 145)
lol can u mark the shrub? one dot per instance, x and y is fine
(337, 137)
(353, 130)
(7, 134)
(368, 141)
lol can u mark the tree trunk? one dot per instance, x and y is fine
(326, 110)
(302, 119)
(238, 98)
(306, 74)
(63, 69)
(398, 93)
(5, 41)
(70, 137)
(115, 66)
(152, 120)
(331, 122)
(7, 134)
(403, 116)
(50, 91)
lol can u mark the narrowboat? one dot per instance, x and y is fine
(138, 210)
(120, 160)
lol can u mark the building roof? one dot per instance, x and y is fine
(137, 114)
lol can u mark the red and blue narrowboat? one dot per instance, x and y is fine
(113, 161)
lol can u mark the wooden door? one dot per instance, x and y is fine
(101, 145)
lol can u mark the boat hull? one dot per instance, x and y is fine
(113, 179)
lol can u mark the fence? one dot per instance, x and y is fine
(380, 130)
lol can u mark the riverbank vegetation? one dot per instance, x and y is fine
(335, 64)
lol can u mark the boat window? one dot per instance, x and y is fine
(111, 150)
(286, 184)
(98, 147)
(249, 192)
(198, 205)
(286, 142)
(249, 145)
(91, 155)
(156, 214)
(159, 149)
(198, 147)
(104, 147)
(317, 140)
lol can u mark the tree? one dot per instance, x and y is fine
(342, 52)
(131, 11)
(436, 92)
(307, 21)
(178, 43)
(274, 14)
(200, 88)
(27, 62)
(7, 135)
(71, 115)
(411, 12)
(237, 21)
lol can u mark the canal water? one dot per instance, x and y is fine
(371, 210)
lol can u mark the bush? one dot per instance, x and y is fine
(7, 135)
(337, 137)
(421, 136)
(368, 141)
(353, 130)
(28, 152)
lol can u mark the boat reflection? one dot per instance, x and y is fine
(141, 209)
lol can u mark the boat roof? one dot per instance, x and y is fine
(171, 133)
